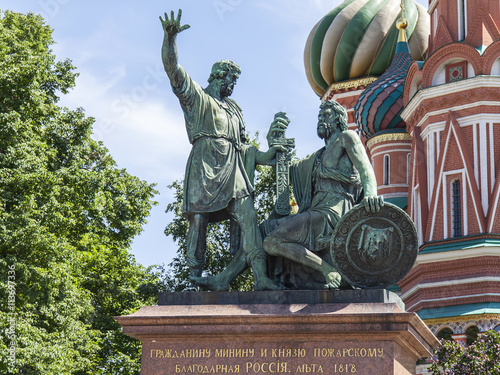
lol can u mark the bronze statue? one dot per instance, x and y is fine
(218, 183)
(326, 185)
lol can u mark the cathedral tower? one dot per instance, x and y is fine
(452, 113)
(354, 43)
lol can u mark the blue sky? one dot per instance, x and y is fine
(116, 47)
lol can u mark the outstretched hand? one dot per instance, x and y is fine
(173, 26)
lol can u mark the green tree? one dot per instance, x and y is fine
(67, 218)
(218, 240)
(480, 357)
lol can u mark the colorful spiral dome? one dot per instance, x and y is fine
(379, 107)
(358, 39)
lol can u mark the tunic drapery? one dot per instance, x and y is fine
(220, 167)
(328, 191)
(323, 195)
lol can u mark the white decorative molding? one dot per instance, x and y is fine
(478, 118)
(431, 164)
(492, 159)
(347, 94)
(388, 137)
(495, 68)
(468, 180)
(475, 149)
(494, 210)
(452, 298)
(459, 108)
(417, 212)
(390, 150)
(432, 6)
(448, 283)
(483, 162)
(408, 167)
(433, 128)
(467, 253)
(450, 89)
(348, 85)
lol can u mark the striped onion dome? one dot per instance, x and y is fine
(379, 106)
(358, 39)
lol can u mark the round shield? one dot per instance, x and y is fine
(374, 250)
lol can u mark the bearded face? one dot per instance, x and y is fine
(326, 123)
(227, 84)
(324, 130)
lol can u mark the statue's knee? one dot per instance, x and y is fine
(271, 245)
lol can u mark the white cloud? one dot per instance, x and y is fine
(147, 137)
(142, 132)
(157, 141)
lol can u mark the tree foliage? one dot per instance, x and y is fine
(480, 357)
(67, 218)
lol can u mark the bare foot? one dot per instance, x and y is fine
(210, 283)
(333, 280)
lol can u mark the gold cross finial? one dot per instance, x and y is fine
(402, 24)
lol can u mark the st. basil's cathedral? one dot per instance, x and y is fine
(422, 89)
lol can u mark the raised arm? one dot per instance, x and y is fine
(358, 156)
(170, 57)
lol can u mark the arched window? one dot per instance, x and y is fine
(471, 333)
(456, 209)
(497, 328)
(387, 169)
(445, 334)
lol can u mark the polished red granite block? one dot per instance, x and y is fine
(374, 338)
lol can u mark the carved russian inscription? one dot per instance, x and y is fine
(269, 358)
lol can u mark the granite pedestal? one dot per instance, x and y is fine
(283, 332)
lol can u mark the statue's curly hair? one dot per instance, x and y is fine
(340, 112)
(223, 67)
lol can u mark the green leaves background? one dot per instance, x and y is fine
(68, 215)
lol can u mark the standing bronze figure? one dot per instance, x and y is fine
(218, 183)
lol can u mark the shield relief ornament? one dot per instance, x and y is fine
(374, 250)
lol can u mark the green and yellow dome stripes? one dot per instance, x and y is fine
(358, 39)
